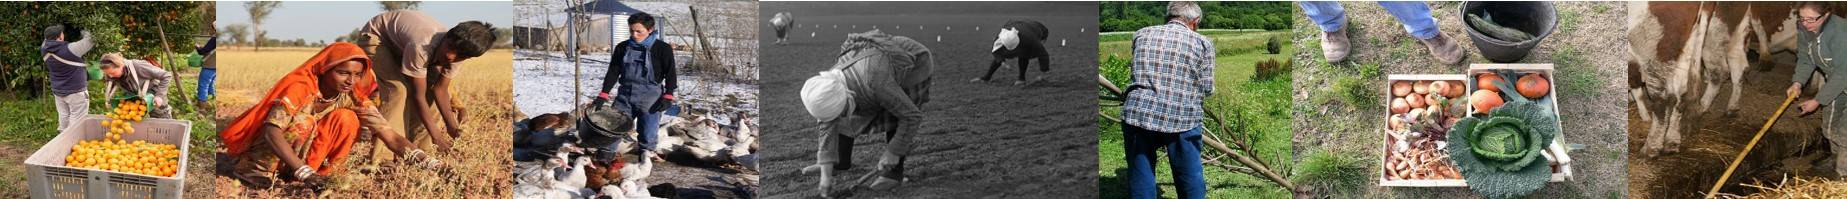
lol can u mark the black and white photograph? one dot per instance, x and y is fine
(928, 99)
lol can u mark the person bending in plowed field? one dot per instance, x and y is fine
(1023, 40)
(878, 83)
(307, 124)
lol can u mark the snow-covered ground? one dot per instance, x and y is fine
(543, 83)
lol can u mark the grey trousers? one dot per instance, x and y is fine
(1836, 132)
(72, 108)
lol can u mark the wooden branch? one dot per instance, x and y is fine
(1255, 166)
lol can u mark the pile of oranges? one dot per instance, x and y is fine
(114, 154)
(120, 119)
(138, 157)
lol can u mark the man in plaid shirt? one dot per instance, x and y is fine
(1171, 75)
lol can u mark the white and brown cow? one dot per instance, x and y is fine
(1681, 52)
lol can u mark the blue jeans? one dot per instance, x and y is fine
(1415, 15)
(647, 126)
(1182, 159)
(206, 78)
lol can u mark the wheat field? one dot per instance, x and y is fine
(478, 169)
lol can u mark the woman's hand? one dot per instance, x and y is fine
(1795, 90)
(1809, 106)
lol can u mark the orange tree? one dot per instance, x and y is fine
(133, 28)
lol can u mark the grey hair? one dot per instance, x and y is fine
(1184, 10)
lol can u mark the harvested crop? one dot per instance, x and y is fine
(1439, 88)
(112, 153)
(1421, 87)
(1400, 106)
(1486, 81)
(1500, 153)
(138, 157)
(1533, 86)
(1485, 100)
(1415, 100)
(1401, 88)
(1396, 122)
(1456, 90)
(1496, 30)
(121, 119)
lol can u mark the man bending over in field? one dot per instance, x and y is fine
(415, 59)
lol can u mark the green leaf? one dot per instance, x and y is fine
(1499, 154)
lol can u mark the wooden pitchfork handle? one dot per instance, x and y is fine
(1747, 148)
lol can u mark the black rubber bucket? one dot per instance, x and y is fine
(1533, 17)
(603, 126)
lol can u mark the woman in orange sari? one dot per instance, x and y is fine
(310, 120)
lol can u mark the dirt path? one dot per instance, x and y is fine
(1590, 86)
(991, 139)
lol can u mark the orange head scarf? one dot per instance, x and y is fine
(300, 85)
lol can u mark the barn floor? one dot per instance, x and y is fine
(1793, 147)
(979, 139)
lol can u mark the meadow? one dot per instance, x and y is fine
(477, 169)
(1254, 107)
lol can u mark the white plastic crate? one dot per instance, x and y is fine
(47, 176)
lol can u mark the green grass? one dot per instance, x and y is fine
(1581, 77)
(1568, 21)
(1252, 106)
(30, 122)
(1339, 174)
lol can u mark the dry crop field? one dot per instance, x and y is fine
(477, 169)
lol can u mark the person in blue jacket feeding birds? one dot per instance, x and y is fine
(643, 76)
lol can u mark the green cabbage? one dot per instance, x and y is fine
(1499, 153)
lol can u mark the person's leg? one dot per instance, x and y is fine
(1024, 63)
(393, 99)
(1332, 19)
(1183, 160)
(64, 112)
(1328, 15)
(649, 130)
(75, 106)
(1836, 132)
(1417, 21)
(1414, 15)
(256, 168)
(207, 78)
(1045, 63)
(1140, 154)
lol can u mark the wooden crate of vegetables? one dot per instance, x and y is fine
(1422, 141)
(1421, 108)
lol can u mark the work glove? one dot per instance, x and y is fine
(601, 98)
(662, 104)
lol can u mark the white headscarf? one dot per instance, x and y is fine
(1009, 38)
(826, 95)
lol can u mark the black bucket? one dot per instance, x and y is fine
(1533, 17)
(603, 126)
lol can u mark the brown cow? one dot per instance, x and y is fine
(1674, 52)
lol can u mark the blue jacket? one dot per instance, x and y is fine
(65, 67)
